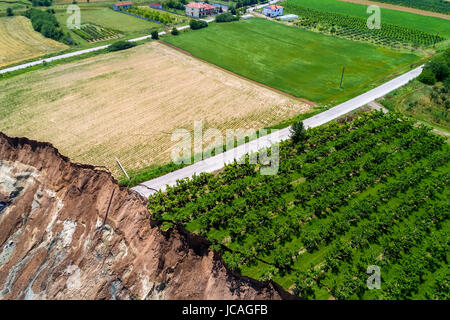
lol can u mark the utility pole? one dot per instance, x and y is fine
(342, 77)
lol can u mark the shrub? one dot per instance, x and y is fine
(45, 23)
(49, 31)
(427, 76)
(9, 12)
(437, 69)
(198, 24)
(175, 5)
(121, 45)
(298, 132)
(447, 83)
(67, 39)
(155, 35)
(439, 66)
(225, 17)
(175, 31)
(41, 3)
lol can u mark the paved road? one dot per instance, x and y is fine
(80, 52)
(217, 162)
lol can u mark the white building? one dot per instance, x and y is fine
(288, 17)
(273, 11)
(247, 16)
(200, 10)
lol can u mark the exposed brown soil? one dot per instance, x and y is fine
(401, 8)
(68, 231)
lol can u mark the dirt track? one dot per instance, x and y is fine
(127, 104)
(401, 8)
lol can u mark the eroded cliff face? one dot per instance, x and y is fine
(67, 231)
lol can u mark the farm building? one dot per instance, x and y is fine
(122, 6)
(156, 6)
(200, 10)
(273, 11)
(247, 16)
(288, 17)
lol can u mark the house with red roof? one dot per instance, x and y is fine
(122, 6)
(273, 11)
(156, 6)
(200, 10)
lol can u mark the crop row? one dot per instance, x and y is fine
(356, 28)
(91, 32)
(442, 6)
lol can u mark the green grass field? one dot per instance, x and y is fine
(296, 61)
(428, 24)
(426, 103)
(128, 26)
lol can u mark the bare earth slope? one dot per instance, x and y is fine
(67, 231)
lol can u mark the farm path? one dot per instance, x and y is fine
(219, 161)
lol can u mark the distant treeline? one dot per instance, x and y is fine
(171, 4)
(41, 3)
(245, 3)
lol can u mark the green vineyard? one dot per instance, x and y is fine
(355, 28)
(368, 192)
(442, 6)
(92, 32)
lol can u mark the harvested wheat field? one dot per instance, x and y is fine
(18, 41)
(127, 104)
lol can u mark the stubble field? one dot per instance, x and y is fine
(18, 41)
(127, 104)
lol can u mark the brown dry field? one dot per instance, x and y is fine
(401, 8)
(18, 41)
(127, 104)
